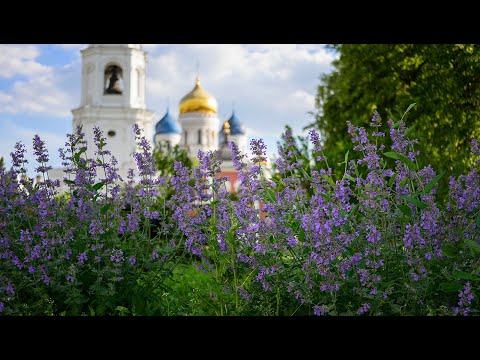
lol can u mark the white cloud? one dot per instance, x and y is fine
(72, 47)
(20, 60)
(256, 77)
(11, 133)
(40, 95)
(4, 98)
(48, 91)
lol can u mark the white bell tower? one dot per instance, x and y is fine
(113, 98)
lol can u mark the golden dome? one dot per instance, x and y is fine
(198, 100)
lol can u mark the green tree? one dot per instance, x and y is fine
(2, 163)
(165, 156)
(442, 79)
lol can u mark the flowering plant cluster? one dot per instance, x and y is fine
(102, 247)
(375, 241)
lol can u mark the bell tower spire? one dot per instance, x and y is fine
(113, 97)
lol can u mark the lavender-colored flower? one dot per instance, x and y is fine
(132, 260)
(18, 157)
(243, 293)
(465, 297)
(9, 289)
(82, 257)
(259, 151)
(116, 256)
(42, 154)
(46, 279)
(2, 306)
(237, 157)
(373, 236)
(320, 310)
(100, 142)
(363, 309)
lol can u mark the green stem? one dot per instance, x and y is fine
(219, 290)
(278, 298)
(234, 273)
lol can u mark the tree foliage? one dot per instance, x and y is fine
(165, 156)
(442, 79)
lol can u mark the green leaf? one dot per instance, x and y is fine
(396, 309)
(70, 182)
(451, 287)
(122, 309)
(107, 234)
(270, 195)
(409, 130)
(352, 212)
(414, 201)
(403, 182)
(301, 235)
(92, 312)
(394, 155)
(476, 272)
(473, 246)
(449, 250)
(410, 107)
(464, 275)
(477, 221)
(98, 186)
(345, 161)
(105, 208)
(326, 196)
(77, 155)
(349, 177)
(406, 210)
(431, 184)
(392, 179)
(329, 179)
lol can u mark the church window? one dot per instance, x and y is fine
(111, 133)
(199, 137)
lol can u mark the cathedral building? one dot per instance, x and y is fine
(198, 126)
(113, 84)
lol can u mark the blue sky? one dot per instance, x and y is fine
(270, 85)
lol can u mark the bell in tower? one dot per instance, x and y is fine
(113, 78)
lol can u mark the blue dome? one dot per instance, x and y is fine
(236, 128)
(168, 125)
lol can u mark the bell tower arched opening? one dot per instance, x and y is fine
(113, 80)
